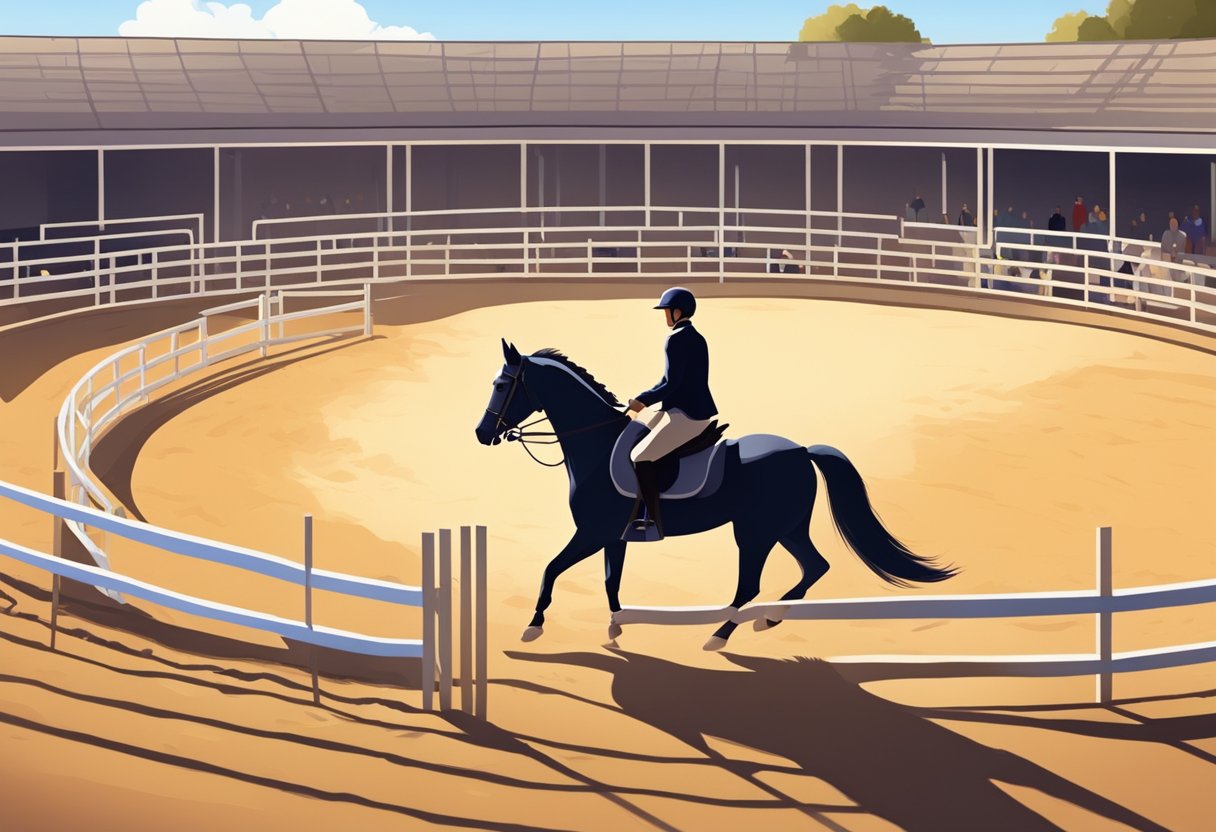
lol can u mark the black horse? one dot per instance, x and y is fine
(767, 491)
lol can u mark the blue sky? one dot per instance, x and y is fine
(943, 21)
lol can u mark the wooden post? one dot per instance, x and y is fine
(58, 489)
(466, 620)
(312, 650)
(479, 709)
(445, 619)
(428, 620)
(367, 310)
(264, 322)
(1105, 591)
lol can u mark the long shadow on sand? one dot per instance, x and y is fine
(893, 761)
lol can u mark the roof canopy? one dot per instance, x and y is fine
(55, 84)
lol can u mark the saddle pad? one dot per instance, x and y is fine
(700, 474)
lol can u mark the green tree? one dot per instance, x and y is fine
(1203, 24)
(1119, 13)
(1066, 27)
(1159, 19)
(823, 26)
(1096, 28)
(879, 25)
(853, 23)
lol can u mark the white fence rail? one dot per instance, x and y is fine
(435, 598)
(1103, 603)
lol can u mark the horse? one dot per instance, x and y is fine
(767, 494)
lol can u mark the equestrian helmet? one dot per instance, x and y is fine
(678, 298)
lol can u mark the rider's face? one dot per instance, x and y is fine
(671, 316)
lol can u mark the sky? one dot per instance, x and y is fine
(942, 21)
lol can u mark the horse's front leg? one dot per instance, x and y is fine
(614, 562)
(580, 547)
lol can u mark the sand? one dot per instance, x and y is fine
(996, 444)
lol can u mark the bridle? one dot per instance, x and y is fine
(518, 434)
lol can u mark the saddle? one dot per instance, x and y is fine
(692, 470)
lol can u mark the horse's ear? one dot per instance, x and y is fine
(510, 354)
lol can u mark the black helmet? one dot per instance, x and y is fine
(678, 298)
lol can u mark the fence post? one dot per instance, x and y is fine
(202, 341)
(445, 619)
(447, 259)
(58, 490)
(155, 271)
(263, 323)
(312, 650)
(479, 709)
(1105, 591)
(428, 620)
(376, 256)
(466, 620)
(318, 260)
(367, 310)
(589, 267)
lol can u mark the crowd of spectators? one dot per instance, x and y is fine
(305, 204)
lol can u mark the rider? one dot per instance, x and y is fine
(684, 391)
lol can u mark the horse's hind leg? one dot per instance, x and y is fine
(752, 556)
(798, 543)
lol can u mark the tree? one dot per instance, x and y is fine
(1096, 28)
(853, 23)
(823, 26)
(880, 25)
(1159, 19)
(1066, 27)
(1203, 24)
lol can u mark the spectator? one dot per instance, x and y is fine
(1093, 213)
(909, 213)
(1173, 241)
(1078, 214)
(1197, 236)
(964, 216)
(1146, 233)
(1133, 230)
(917, 205)
(1057, 222)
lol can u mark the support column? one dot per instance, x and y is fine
(839, 191)
(721, 213)
(1212, 207)
(988, 241)
(603, 179)
(806, 169)
(1112, 197)
(388, 187)
(945, 207)
(101, 189)
(646, 180)
(215, 184)
(524, 218)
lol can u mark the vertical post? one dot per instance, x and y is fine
(991, 198)
(367, 310)
(312, 650)
(101, 189)
(466, 619)
(806, 169)
(721, 212)
(445, 619)
(945, 208)
(646, 181)
(263, 322)
(409, 210)
(980, 218)
(603, 180)
(839, 191)
(479, 709)
(1105, 591)
(1112, 198)
(202, 341)
(388, 188)
(1212, 206)
(215, 195)
(428, 620)
(58, 490)
(525, 219)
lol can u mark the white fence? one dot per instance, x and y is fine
(569, 242)
(1103, 603)
(656, 241)
(433, 596)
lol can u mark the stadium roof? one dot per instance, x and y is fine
(123, 84)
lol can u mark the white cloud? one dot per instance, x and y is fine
(292, 19)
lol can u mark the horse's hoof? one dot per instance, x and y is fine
(761, 624)
(612, 645)
(714, 644)
(771, 619)
(532, 634)
(614, 631)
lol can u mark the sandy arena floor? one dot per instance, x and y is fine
(997, 444)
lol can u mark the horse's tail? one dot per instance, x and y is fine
(863, 531)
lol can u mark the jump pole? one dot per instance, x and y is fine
(312, 650)
(1104, 625)
(428, 620)
(466, 620)
(445, 619)
(479, 709)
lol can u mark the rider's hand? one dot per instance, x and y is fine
(635, 406)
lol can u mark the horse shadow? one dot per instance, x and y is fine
(889, 759)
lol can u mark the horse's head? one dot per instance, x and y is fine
(510, 402)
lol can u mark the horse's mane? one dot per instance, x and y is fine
(598, 387)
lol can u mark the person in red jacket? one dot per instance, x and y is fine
(1079, 214)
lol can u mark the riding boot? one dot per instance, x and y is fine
(648, 493)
